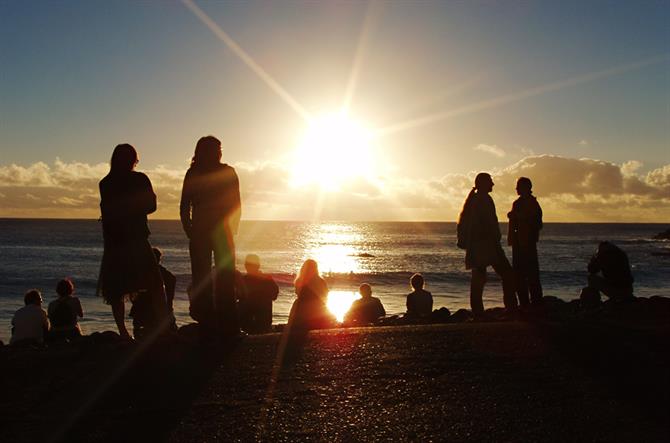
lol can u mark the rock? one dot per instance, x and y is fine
(589, 298)
(460, 316)
(441, 315)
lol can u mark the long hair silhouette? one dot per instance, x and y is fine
(124, 158)
(207, 153)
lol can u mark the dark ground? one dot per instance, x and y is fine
(510, 381)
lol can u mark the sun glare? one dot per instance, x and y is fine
(339, 303)
(333, 150)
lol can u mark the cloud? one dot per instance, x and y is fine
(584, 142)
(491, 149)
(569, 189)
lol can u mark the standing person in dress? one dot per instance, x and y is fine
(419, 301)
(309, 311)
(128, 263)
(210, 215)
(258, 290)
(523, 233)
(30, 323)
(64, 312)
(479, 235)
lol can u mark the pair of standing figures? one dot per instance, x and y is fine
(210, 215)
(479, 234)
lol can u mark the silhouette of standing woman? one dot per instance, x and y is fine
(210, 215)
(479, 235)
(128, 263)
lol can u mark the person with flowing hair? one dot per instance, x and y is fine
(309, 311)
(479, 234)
(210, 210)
(129, 269)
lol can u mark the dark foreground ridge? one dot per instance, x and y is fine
(591, 377)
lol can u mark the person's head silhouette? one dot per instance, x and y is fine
(65, 288)
(33, 297)
(252, 263)
(484, 182)
(124, 158)
(207, 153)
(365, 290)
(524, 186)
(416, 281)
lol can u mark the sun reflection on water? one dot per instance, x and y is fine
(332, 246)
(339, 302)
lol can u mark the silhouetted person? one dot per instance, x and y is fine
(479, 235)
(419, 301)
(259, 290)
(609, 272)
(129, 267)
(30, 323)
(64, 312)
(523, 233)
(210, 216)
(309, 311)
(366, 309)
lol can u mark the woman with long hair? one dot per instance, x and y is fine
(210, 215)
(479, 234)
(309, 311)
(129, 268)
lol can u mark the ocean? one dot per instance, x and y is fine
(37, 253)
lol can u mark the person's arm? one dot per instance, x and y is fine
(185, 205)
(80, 310)
(147, 197)
(236, 212)
(274, 288)
(45, 322)
(381, 310)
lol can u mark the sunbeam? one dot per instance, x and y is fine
(521, 95)
(371, 15)
(246, 58)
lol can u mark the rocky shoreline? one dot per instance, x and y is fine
(561, 374)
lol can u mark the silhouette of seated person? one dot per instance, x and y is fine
(170, 283)
(309, 311)
(30, 323)
(610, 273)
(366, 309)
(419, 301)
(64, 312)
(258, 292)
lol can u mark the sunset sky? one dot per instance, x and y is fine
(342, 110)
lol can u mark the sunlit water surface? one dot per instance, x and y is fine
(36, 253)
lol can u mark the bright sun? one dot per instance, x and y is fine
(333, 150)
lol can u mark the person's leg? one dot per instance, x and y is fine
(533, 273)
(200, 298)
(477, 283)
(225, 308)
(504, 270)
(520, 264)
(119, 312)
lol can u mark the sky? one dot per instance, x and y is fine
(341, 110)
